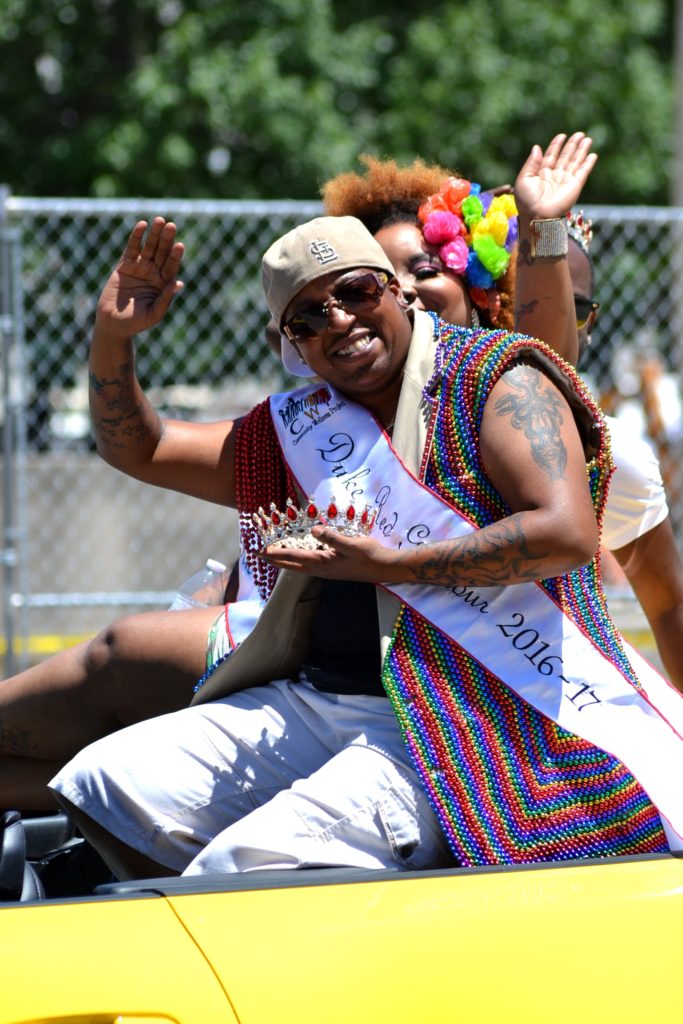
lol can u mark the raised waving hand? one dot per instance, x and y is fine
(143, 283)
(550, 181)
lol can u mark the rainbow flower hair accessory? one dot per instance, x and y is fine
(474, 231)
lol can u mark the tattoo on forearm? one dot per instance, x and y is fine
(537, 411)
(98, 384)
(15, 741)
(116, 415)
(524, 252)
(497, 554)
(526, 309)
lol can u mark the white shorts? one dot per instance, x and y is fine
(281, 775)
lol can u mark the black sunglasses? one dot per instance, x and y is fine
(584, 308)
(353, 295)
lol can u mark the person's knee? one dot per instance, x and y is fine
(113, 647)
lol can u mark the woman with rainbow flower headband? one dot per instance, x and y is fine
(475, 233)
(452, 243)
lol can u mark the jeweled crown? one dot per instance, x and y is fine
(580, 228)
(292, 527)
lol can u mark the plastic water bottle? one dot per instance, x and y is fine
(203, 589)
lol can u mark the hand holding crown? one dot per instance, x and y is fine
(332, 542)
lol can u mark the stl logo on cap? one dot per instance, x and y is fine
(323, 251)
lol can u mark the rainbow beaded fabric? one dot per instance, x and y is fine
(507, 784)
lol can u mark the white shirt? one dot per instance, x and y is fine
(636, 501)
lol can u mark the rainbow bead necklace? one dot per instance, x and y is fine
(507, 784)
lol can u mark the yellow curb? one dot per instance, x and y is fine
(43, 645)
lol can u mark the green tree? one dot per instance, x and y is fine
(497, 75)
(227, 99)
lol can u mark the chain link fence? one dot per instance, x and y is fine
(81, 542)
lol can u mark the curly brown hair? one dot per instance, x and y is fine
(388, 193)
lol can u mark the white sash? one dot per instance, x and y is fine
(336, 448)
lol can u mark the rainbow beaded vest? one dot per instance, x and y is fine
(507, 784)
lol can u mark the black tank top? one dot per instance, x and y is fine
(344, 652)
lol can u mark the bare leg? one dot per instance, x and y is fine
(140, 666)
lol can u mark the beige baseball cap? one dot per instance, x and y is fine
(313, 249)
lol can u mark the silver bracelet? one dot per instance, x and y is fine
(549, 238)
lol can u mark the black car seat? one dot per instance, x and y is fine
(18, 879)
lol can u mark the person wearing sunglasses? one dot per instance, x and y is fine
(434, 676)
(355, 293)
(637, 529)
(147, 664)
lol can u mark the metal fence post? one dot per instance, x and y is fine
(6, 326)
(14, 428)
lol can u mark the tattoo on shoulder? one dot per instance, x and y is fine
(536, 410)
